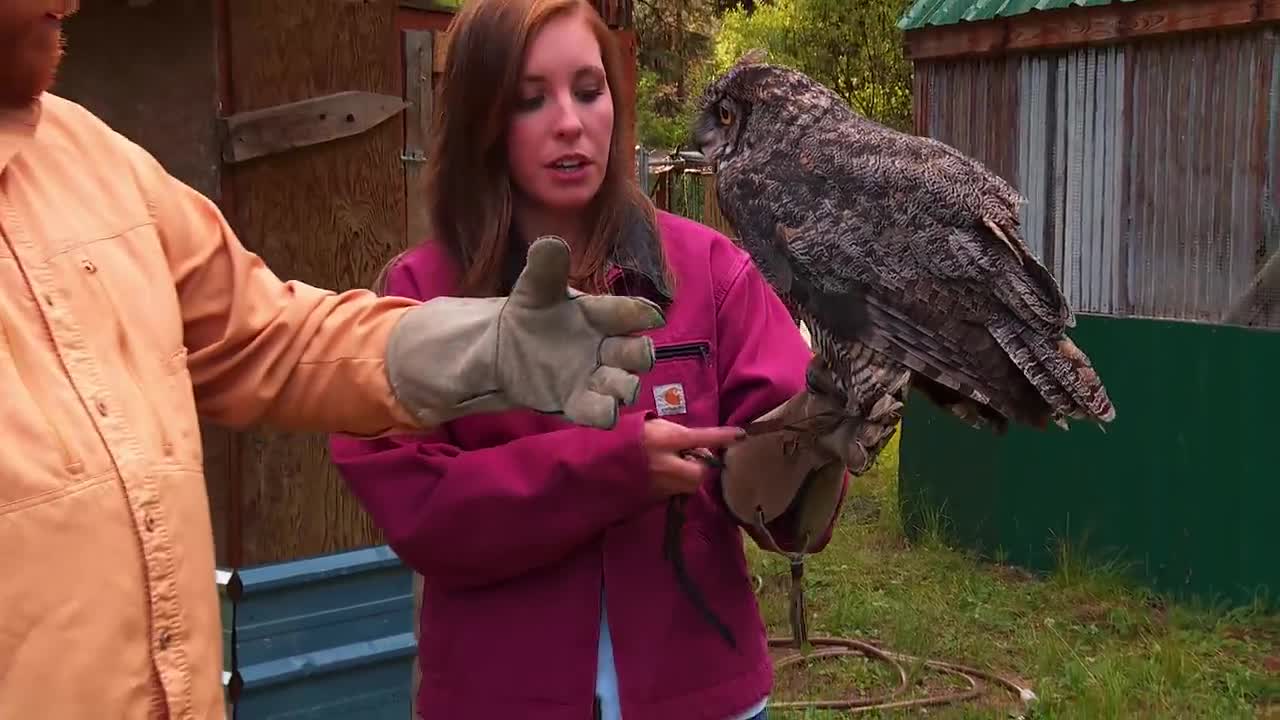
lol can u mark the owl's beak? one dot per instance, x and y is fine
(707, 138)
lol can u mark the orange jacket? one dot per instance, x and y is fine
(126, 306)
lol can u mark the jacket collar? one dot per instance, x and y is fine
(634, 267)
(17, 127)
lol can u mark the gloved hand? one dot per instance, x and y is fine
(546, 347)
(789, 472)
(795, 456)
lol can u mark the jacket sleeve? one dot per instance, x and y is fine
(261, 350)
(466, 518)
(762, 362)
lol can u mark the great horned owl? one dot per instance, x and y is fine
(898, 252)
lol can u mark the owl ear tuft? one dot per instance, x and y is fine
(754, 56)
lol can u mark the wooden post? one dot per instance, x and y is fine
(419, 92)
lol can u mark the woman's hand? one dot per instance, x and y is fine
(664, 441)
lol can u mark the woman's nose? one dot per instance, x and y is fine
(568, 122)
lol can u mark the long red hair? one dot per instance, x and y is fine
(469, 190)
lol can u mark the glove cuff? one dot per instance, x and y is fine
(441, 359)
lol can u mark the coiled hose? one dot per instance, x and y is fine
(822, 647)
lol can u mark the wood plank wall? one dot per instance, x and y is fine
(328, 214)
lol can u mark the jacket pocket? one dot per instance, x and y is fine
(682, 385)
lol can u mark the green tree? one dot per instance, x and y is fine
(853, 47)
(676, 38)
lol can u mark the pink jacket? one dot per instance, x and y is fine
(516, 520)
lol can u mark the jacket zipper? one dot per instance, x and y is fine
(676, 351)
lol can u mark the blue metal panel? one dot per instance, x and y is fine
(368, 679)
(325, 637)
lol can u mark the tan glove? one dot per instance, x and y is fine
(546, 347)
(789, 471)
(794, 459)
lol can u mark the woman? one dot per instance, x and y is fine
(546, 590)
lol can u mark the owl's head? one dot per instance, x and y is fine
(751, 102)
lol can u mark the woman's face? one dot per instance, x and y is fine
(558, 139)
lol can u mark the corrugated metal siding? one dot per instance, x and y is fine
(1151, 169)
(1070, 163)
(1198, 169)
(972, 106)
(924, 13)
(1182, 486)
(325, 637)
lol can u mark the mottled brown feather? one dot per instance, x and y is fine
(897, 251)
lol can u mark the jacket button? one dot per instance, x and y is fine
(102, 408)
(89, 266)
(149, 522)
(163, 640)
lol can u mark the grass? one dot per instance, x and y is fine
(1086, 641)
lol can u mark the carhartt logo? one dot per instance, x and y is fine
(669, 399)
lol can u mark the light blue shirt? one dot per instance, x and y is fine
(607, 675)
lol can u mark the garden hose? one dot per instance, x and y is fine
(829, 647)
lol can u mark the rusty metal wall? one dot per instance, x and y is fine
(972, 106)
(1198, 169)
(1152, 169)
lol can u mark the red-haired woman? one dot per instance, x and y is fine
(546, 590)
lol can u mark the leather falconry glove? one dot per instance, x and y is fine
(546, 347)
(790, 469)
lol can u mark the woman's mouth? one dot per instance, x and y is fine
(570, 167)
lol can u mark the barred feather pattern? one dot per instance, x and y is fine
(861, 374)
(897, 251)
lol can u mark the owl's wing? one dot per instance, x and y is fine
(907, 239)
(960, 218)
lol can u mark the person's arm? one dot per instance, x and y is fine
(762, 361)
(470, 518)
(297, 357)
(476, 517)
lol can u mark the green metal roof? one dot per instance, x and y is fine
(935, 13)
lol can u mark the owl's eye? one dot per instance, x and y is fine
(726, 115)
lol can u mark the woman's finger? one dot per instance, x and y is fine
(681, 475)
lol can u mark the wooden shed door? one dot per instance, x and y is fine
(329, 211)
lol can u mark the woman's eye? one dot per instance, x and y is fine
(589, 95)
(530, 103)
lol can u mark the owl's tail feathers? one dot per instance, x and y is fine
(1062, 374)
(1084, 384)
(979, 416)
